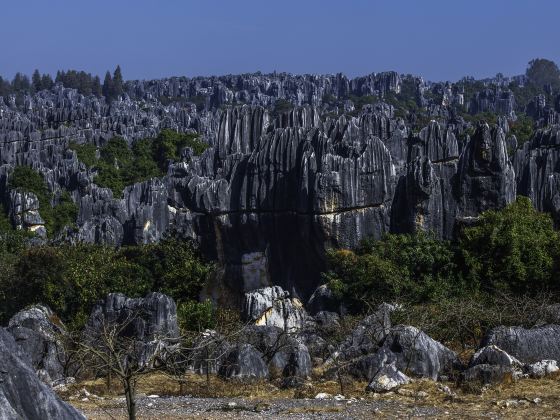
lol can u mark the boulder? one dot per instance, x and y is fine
(38, 333)
(418, 354)
(542, 368)
(151, 321)
(489, 374)
(284, 354)
(387, 379)
(244, 362)
(528, 345)
(493, 355)
(368, 336)
(411, 351)
(22, 394)
(293, 361)
(272, 306)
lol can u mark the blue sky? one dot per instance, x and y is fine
(437, 39)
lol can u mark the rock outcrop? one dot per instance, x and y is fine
(272, 306)
(278, 187)
(22, 394)
(151, 322)
(244, 362)
(527, 345)
(38, 333)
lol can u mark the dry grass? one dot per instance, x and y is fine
(514, 399)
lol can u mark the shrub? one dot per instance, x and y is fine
(196, 316)
(120, 165)
(415, 267)
(512, 250)
(70, 279)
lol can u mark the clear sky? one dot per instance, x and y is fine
(437, 39)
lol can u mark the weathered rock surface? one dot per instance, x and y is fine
(489, 374)
(244, 362)
(150, 321)
(276, 189)
(418, 354)
(387, 379)
(22, 394)
(542, 368)
(493, 355)
(527, 345)
(272, 306)
(369, 335)
(38, 333)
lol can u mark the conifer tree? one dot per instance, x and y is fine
(108, 86)
(117, 82)
(36, 81)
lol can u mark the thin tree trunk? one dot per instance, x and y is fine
(340, 381)
(129, 392)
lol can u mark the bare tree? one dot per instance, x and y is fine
(112, 349)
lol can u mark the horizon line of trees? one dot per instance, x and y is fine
(85, 83)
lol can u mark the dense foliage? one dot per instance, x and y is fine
(70, 279)
(543, 72)
(514, 251)
(119, 165)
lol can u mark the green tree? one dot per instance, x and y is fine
(543, 72)
(514, 250)
(117, 82)
(108, 88)
(36, 81)
(413, 267)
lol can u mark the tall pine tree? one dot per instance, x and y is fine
(108, 86)
(117, 82)
(36, 81)
(96, 86)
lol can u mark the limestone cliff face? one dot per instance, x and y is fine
(276, 189)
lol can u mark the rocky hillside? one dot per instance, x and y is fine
(296, 164)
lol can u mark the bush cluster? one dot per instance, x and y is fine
(514, 251)
(70, 279)
(119, 165)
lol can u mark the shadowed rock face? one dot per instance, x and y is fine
(22, 394)
(275, 189)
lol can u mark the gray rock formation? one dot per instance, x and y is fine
(542, 368)
(493, 355)
(411, 351)
(489, 374)
(244, 362)
(369, 335)
(387, 379)
(38, 333)
(272, 306)
(418, 354)
(527, 345)
(277, 188)
(22, 394)
(150, 321)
